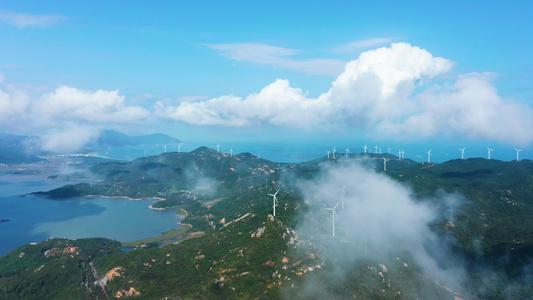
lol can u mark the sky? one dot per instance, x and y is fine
(442, 75)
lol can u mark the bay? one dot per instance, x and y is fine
(34, 218)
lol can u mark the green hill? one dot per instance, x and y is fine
(236, 248)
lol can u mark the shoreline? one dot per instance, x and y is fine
(125, 197)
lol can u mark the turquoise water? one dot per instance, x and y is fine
(34, 219)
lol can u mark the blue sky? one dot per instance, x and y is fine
(249, 70)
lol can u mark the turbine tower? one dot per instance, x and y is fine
(334, 149)
(274, 202)
(389, 149)
(399, 154)
(328, 154)
(517, 151)
(451, 216)
(376, 147)
(179, 148)
(489, 151)
(218, 148)
(333, 214)
(429, 155)
(379, 150)
(462, 153)
(365, 148)
(343, 194)
(231, 152)
(347, 151)
(385, 160)
(165, 148)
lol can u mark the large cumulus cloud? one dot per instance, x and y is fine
(392, 91)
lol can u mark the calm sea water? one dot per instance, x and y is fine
(34, 219)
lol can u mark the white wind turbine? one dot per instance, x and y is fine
(462, 152)
(376, 147)
(517, 151)
(333, 214)
(165, 148)
(179, 148)
(218, 148)
(399, 154)
(365, 148)
(328, 154)
(379, 150)
(389, 149)
(489, 151)
(274, 202)
(385, 160)
(347, 152)
(231, 152)
(343, 194)
(334, 149)
(429, 155)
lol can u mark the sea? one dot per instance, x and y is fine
(34, 218)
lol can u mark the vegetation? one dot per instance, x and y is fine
(235, 248)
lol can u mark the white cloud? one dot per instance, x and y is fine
(69, 138)
(380, 219)
(14, 103)
(68, 103)
(388, 91)
(26, 20)
(364, 44)
(277, 57)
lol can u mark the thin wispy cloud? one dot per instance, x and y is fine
(364, 44)
(26, 20)
(278, 57)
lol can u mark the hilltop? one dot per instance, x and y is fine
(112, 138)
(236, 248)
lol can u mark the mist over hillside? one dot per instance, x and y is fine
(418, 230)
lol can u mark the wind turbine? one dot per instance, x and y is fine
(333, 214)
(343, 194)
(218, 148)
(365, 148)
(376, 149)
(347, 151)
(489, 151)
(429, 155)
(179, 148)
(274, 202)
(334, 149)
(165, 148)
(385, 160)
(451, 216)
(399, 154)
(517, 151)
(259, 155)
(328, 154)
(389, 149)
(462, 153)
(231, 152)
(379, 150)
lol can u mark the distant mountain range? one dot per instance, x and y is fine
(114, 138)
(16, 149)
